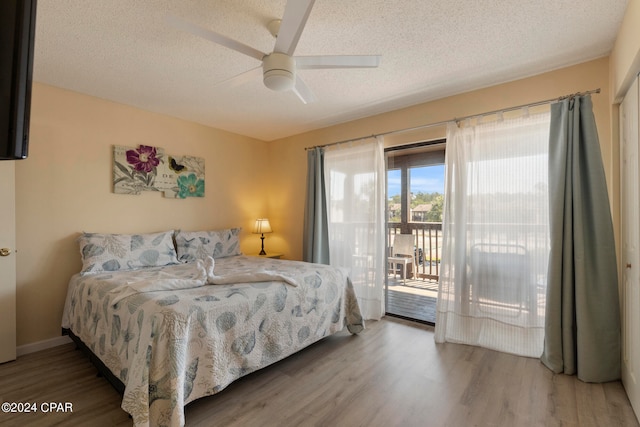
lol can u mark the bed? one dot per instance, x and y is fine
(188, 327)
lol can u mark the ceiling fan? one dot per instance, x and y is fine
(279, 67)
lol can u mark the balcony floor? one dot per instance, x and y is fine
(416, 299)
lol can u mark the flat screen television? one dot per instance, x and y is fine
(17, 33)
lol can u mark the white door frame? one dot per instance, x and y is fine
(8, 262)
(630, 233)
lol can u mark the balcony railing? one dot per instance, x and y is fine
(428, 243)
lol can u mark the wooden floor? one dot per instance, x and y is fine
(414, 299)
(392, 374)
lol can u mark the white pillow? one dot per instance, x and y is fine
(116, 252)
(194, 245)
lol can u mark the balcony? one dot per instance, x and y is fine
(502, 243)
(428, 246)
(416, 297)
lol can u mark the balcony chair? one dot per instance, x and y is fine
(502, 277)
(402, 253)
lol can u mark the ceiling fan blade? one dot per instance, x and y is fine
(337, 61)
(242, 78)
(225, 41)
(303, 92)
(293, 21)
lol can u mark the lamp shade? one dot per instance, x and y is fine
(262, 226)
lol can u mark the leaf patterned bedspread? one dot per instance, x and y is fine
(172, 347)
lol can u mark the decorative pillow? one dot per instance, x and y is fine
(194, 245)
(114, 252)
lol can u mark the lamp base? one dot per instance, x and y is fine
(262, 252)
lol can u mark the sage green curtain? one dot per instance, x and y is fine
(582, 325)
(315, 237)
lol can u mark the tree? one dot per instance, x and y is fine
(435, 199)
(437, 203)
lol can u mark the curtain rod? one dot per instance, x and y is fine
(458, 119)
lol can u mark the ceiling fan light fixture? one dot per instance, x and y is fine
(279, 67)
(279, 72)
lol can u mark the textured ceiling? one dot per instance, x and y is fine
(125, 51)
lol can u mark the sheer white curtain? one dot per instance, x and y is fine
(355, 188)
(495, 235)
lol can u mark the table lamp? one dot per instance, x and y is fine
(262, 226)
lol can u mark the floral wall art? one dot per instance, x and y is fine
(148, 168)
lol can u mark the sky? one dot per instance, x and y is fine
(428, 179)
(508, 175)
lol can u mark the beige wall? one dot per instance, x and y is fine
(625, 57)
(64, 188)
(288, 157)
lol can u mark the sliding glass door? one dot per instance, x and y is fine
(415, 196)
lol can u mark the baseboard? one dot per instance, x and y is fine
(42, 345)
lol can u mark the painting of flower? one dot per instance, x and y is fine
(136, 169)
(143, 158)
(146, 168)
(190, 186)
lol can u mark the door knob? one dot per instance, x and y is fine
(628, 265)
(5, 252)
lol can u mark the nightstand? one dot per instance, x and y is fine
(268, 255)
